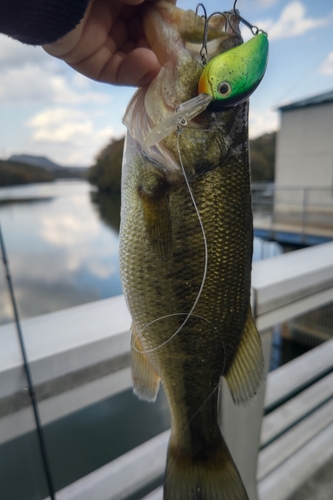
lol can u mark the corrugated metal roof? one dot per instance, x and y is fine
(311, 101)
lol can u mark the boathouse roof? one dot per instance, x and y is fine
(316, 100)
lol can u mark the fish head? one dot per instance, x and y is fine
(176, 37)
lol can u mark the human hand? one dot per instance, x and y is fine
(109, 44)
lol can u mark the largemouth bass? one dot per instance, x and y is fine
(186, 274)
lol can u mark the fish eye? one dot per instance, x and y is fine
(224, 89)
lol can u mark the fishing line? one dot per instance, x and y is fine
(31, 389)
(183, 123)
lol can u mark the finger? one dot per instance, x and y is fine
(137, 68)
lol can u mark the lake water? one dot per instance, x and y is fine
(62, 244)
(61, 252)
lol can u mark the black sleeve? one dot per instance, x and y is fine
(38, 22)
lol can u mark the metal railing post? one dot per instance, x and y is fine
(304, 211)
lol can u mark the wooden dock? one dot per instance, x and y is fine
(293, 215)
(81, 355)
(290, 233)
(296, 439)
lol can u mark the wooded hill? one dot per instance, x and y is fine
(262, 154)
(106, 172)
(15, 173)
(12, 173)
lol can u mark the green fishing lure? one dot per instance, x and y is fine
(232, 77)
(227, 80)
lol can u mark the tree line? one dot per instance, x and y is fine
(106, 171)
(16, 173)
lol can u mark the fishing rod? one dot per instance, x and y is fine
(32, 392)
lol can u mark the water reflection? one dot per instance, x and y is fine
(108, 207)
(60, 253)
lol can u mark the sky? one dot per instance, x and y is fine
(46, 108)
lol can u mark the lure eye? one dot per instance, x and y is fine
(224, 89)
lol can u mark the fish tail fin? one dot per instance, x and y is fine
(212, 477)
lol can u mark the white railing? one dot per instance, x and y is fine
(80, 355)
(303, 210)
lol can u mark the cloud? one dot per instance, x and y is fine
(30, 75)
(71, 131)
(76, 231)
(67, 230)
(60, 125)
(327, 66)
(35, 84)
(62, 105)
(262, 122)
(266, 4)
(14, 54)
(102, 269)
(293, 21)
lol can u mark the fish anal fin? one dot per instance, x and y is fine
(156, 213)
(145, 380)
(245, 374)
(213, 478)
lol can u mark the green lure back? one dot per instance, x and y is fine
(230, 78)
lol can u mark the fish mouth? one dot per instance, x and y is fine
(176, 38)
(222, 32)
(187, 44)
(177, 120)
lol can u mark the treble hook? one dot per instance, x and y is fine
(254, 29)
(203, 50)
(219, 14)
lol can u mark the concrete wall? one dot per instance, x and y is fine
(305, 147)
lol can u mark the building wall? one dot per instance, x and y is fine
(304, 156)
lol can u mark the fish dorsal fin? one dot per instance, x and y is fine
(146, 381)
(244, 376)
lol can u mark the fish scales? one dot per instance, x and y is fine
(162, 256)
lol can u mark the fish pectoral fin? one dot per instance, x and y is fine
(245, 374)
(156, 213)
(146, 381)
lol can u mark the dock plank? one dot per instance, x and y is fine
(291, 441)
(288, 414)
(285, 480)
(155, 495)
(290, 277)
(288, 380)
